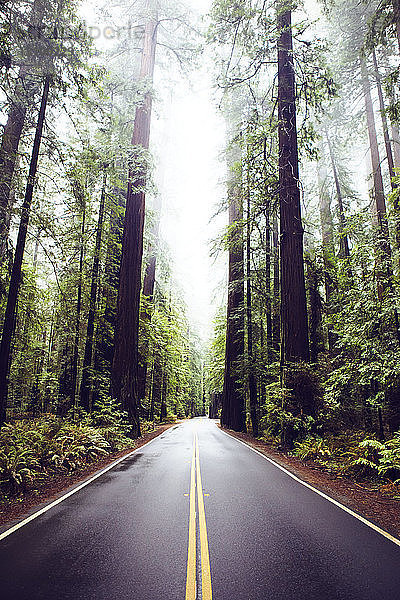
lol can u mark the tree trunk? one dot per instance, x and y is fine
(293, 292)
(388, 148)
(125, 362)
(385, 127)
(87, 381)
(107, 314)
(396, 145)
(250, 358)
(233, 406)
(276, 313)
(328, 255)
(73, 397)
(22, 98)
(344, 250)
(156, 392)
(383, 250)
(8, 158)
(19, 254)
(378, 190)
(163, 407)
(328, 249)
(268, 299)
(151, 410)
(148, 290)
(315, 307)
(396, 18)
(150, 274)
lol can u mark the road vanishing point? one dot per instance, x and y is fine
(197, 514)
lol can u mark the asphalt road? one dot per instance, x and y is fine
(126, 535)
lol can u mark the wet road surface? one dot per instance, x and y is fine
(146, 529)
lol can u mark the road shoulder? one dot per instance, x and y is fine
(20, 508)
(362, 498)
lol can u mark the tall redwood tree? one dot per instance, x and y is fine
(125, 362)
(294, 327)
(15, 280)
(233, 405)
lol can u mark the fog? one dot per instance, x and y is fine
(187, 139)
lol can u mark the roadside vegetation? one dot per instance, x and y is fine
(33, 450)
(307, 352)
(351, 455)
(90, 360)
(97, 341)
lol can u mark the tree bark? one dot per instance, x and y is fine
(344, 248)
(164, 389)
(325, 214)
(388, 148)
(294, 326)
(19, 254)
(22, 98)
(385, 127)
(148, 290)
(276, 313)
(383, 249)
(151, 393)
(156, 391)
(233, 406)
(107, 317)
(268, 298)
(8, 158)
(396, 145)
(315, 315)
(250, 356)
(378, 190)
(125, 362)
(396, 18)
(87, 378)
(79, 193)
(328, 255)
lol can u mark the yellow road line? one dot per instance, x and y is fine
(191, 561)
(205, 556)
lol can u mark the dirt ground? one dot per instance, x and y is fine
(365, 499)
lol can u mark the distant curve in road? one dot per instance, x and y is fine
(127, 535)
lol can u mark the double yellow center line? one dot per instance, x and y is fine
(205, 557)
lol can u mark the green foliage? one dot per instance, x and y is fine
(30, 450)
(111, 423)
(372, 457)
(313, 448)
(74, 446)
(170, 417)
(146, 426)
(354, 456)
(18, 464)
(215, 357)
(173, 355)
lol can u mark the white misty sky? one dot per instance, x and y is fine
(191, 190)
(193, 172)
(188, 172)
(187, 146)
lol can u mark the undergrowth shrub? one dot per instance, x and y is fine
(313, 448)
(30, 450)
(146, 426)
(292, 412)
(350, 454)
(112, 423)
(170, 417)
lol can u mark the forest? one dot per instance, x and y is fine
(98, 345)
